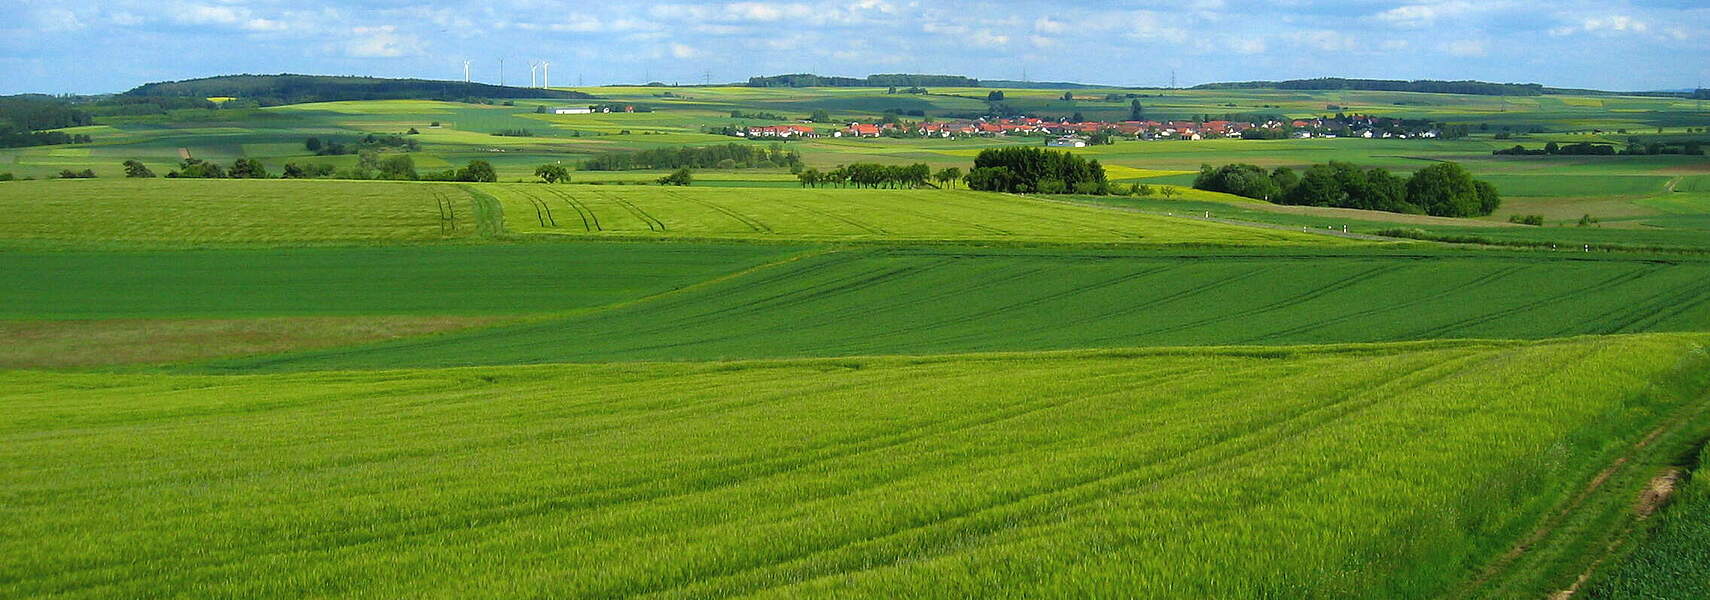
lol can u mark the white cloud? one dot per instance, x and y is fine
(381, 42)
(1325, 40)
(1247, 45)
(1423, 14)
(1040, 41)
(1603, 25)
(1046, 25)
(684, 51)
(1464, 48)
(58, 20)
(985, 37)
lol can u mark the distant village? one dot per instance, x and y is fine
(1084, 133)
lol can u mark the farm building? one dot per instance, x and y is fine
(1068, 141)
(572, 110)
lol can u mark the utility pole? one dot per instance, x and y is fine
(1172, 79)
(501, 72)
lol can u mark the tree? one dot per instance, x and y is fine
(1025, 167)
(1446, 189)
(809, 177)
(552, 173)
(1136, 112)
(1285, 179)
(248, 168)
(197, 168)
(398, 167)
(478, 171)
(1078, 117)
(948, 177)
(680, 177)
(1068, 96)
(820, 116)
(994, 96)
(1250, 181)
(1552, 148)
(312, 144)
(1168, 191)
(135, 168)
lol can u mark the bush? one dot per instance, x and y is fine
(70, 174)
(679, 178)
(552, 173)
(1534, 220)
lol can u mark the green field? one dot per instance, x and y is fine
(1374, 471)
(744, 387)
(853, 215)
(900, 301)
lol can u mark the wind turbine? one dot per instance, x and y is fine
(533, 69)
(466, 71)
(545, 71)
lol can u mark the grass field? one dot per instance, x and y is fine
(852, 215)
(927, 301)
(422, 280)
(1354, 472)
(1670, 562)
(260, 212)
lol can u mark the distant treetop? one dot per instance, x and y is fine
(882, 80)
(1480, 88)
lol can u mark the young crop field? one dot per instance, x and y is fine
(853, 215)
(899, 301)
(1395, 471)
(218, 212)
(409, 280)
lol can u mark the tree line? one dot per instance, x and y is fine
(270, 90)
(1444, 189)
(1634, 148)
(1478, 88)
(884, 80)
(720, 156)
(873, 175)
(22, 119)
(396, 167)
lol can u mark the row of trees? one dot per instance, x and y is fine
(1443, 189)
(872, 175)
(1030, 169)
(1634, 148)
(23, 117)
(721, 156)
(399, 167)
(368, 142)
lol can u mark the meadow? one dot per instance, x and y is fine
(1389, 471)
(853, 215)
(937, 300)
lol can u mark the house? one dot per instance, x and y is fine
(781, 131)
(862, 130)
(1068, 141)
(573, 110)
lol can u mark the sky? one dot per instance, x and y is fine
(76, 46)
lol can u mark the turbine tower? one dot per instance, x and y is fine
(533, 69)
(545, 72)
(466, 71)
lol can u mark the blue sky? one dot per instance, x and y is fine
(85, 47)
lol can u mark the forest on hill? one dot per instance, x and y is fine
(272, 90)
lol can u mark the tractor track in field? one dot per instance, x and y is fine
(653, 224)
(542, 212)
(590, 221)
(447, 213)
(1297, 299)
(1619, 279)
(1559, 516)
(1658, 307)
(1464, 286)
(751, 222)
(846, 220)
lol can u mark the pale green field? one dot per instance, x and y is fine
(853, 215)
(190, 211)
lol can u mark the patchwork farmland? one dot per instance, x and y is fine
(761, 385)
